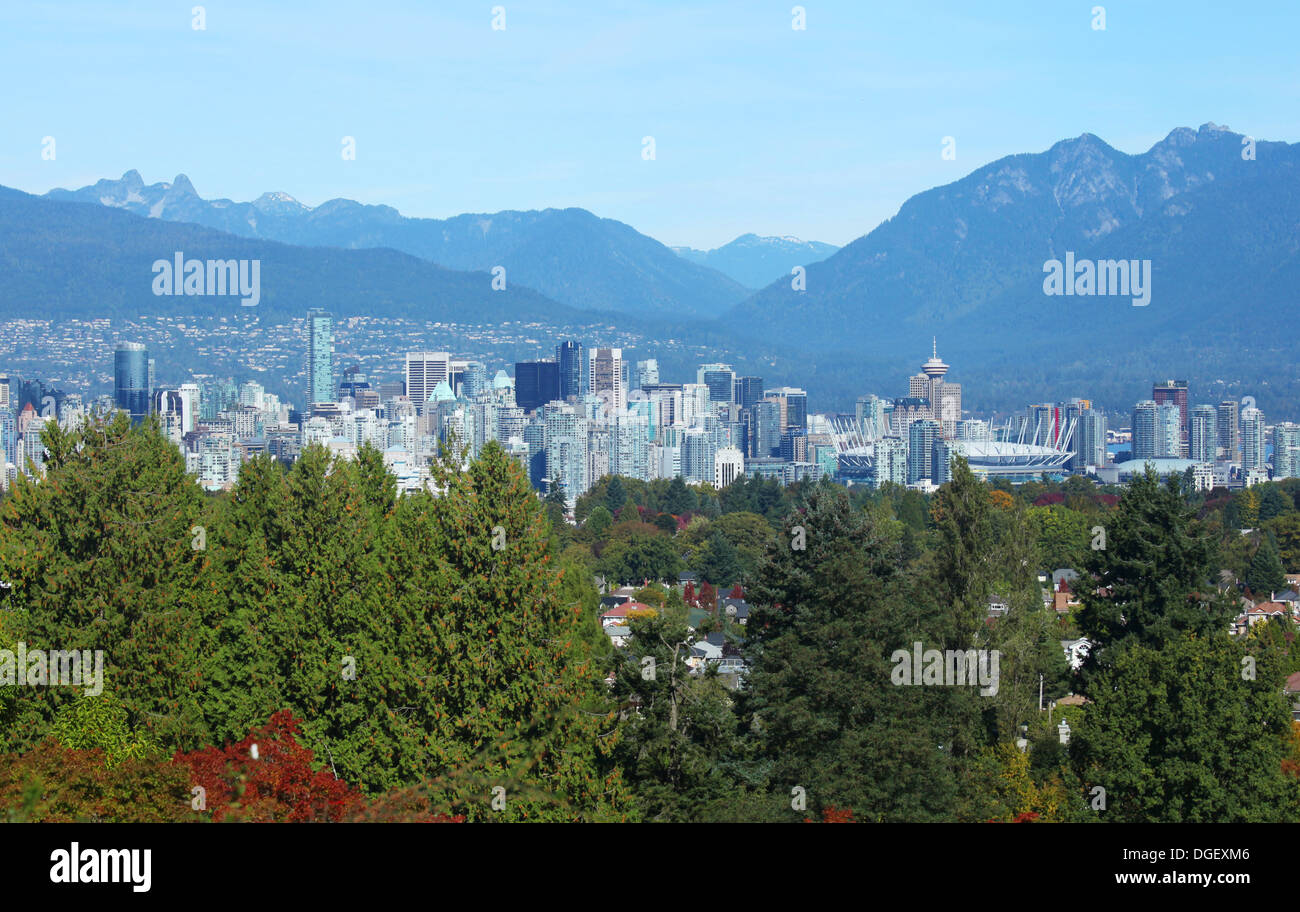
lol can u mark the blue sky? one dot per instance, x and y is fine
(820, 133)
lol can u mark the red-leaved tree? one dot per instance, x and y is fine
(279, 785)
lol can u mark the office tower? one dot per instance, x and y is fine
(721, 381)
(1253, 453)
(131, 380)
(1286, 450)
(1202, 436)
(921, 437)
(944, 398)
(794, 406)
(4, 391)
(728, 465)
(320, 356)
(1228, 429)
(424, 371)
(536, 383)
(573, 376)
(1091, 438)
(749, 390)
(647, 373)
(766, 428)
(1175, 391)
(469, 379)
(794, 446)
(605, 377)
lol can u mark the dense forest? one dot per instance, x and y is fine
(311, 646)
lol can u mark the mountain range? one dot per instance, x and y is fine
(1217, 215)
(758, 261)
(569, 255)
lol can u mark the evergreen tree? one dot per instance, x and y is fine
(99, 555)
(679, 498)
(680, 731)
(1153, 580)
(1266, 575)
(827, 618)
(1188, 734)
(615, 495)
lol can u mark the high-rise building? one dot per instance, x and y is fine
(536, 383)
(949, 408)
(131, 380)
(728, 465)
(891, 461)
(1228, 429)
(1175, 391)
(573, 375)
(566, 450)
(749, 390)
(1202, 436)
(721, 381)
(1253, 452)
(871, 413)
(4, 393)
(793, 403)
(1156, 432)
(1286, 450)
(1091, 438)
(920, 451)
(424, 371)
(606, 377)
(320, 356)
(647, 373)
(698, 453)
(941, 462)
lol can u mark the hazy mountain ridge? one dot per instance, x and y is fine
(756, 261)
(66, 259)
(570, 255)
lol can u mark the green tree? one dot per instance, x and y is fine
(598, 523)
(1181, 734)
(615, 495)
(679, 498)
(718, 562)
(100, 555)
(1266, 575)
(827, 619)
(1154, 578)
(682, 733)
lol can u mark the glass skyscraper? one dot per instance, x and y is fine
(131, 380)
(320, 357)
(1202, 434)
